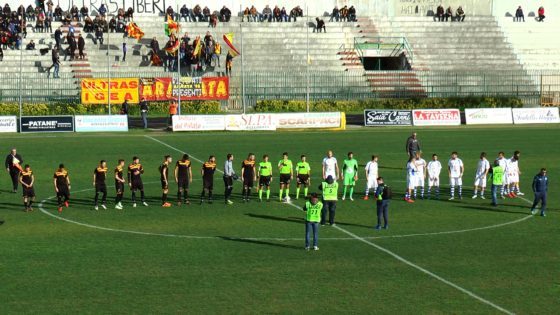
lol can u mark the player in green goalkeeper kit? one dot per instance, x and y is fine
(349, 175)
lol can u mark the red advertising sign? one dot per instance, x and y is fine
(156, 89)
(436, 117)
(189, 88)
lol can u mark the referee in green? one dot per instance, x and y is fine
(312, 209)
(330, 196)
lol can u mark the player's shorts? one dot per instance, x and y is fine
(420, 182)
(119, 186)
(100, 188)
(333, 175)
(285, 179)
(303, 179)
(183, 183)
(480, 181)
(208, 183)
(505, 179)
(411, 182)
(63, 191)
(137, 185)
(249, 181)
(28, 192)
(372, 183)
(164, 185)
(265, 180)
(433, 181)
(455, 181)
(513, 178)
(349, 180)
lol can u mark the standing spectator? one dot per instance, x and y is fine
(448, 14)
(99, 35)
(313, 211)
(330, 196)
(57, 37)
(541, 14)
(112, 24)
(124, 50)
(144, 111)
(173, 107)
(335, 15)
(13, 162)
(229, 174)
(229, 63)
(102, 10)
(540, 188)
(81, 46)
(184, 12)
(497, 176)
(1, 54)
(412, 145)
(460, 14)
(383, 195)
(129, 15)
(439, 13)
(319, 26)
(48, 24)
(225, 14)
(519, 15)
(55, 63)
(352, 14)
(124, 108)
(169, 13)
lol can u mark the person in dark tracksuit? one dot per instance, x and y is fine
(383, 196)
(330, 195)
(13, 167)
(540, 188)
(412, 145)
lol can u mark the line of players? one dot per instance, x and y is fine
(418, 170)
(183, 175)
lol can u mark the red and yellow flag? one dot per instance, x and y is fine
(134, 31)
(228, 39)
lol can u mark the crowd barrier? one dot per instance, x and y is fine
(452, 117)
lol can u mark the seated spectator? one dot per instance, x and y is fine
(295, 13)
(541, 16)
(276, 14)
(197, 13)
(519, 15)
(335, 15)
(320, 26)
(267, 14)
(352, 14)
(213, 21)
(99, 35)
(460, 14)
(169, 13)
(88, 25)
(30, 13)
(30, 45)
(206, 13)
(184, 13)
(58, 13)
(246, 15)
(129, 14)
(84, 11)
(112, 24)
(40, 24)
(254, 14)
(75, 13)
(225, 14)
(449, 14)
(284, 14)
(344, 13)
(102, 10)
(440, 13)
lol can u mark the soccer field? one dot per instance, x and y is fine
(438, 256)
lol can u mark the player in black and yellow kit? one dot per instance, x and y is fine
(119, 184)
(27, 179)
(208, 170)
(62, 187)
(248, 176)
(164, 177)
(99, 177)
(135, 171)
(183, 178)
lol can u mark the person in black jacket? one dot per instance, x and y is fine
(13, 162)
(144, 112)
(81, 46)
(58, 38)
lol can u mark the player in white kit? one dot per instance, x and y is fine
(411, 180)
(420, 175)
(482, 169)
(513, 173)
(372, 173)
(456, 169)
(502, 161)
(434, 169)
(330, 166)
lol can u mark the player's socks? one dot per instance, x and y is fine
(287, 192)
(297, 193)
(25, 205)
(475, 192)
(142, 196)
(452, 191)
(268, 194)
(305, 191)
(460, 191)
(422, 192)
(179, 196)
(133, 196)
(280, 195)
(351, 191)
(367, 192)
(29, 203)
(164, 198)
(344, 193)
(260, 194)
(414, 193)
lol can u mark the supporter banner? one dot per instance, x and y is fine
(96, 91)
(436, 117)
(101, 123)
(156, 89)
(488, 116)
(251, 122)
(310, 120)
(387, 117)
(196, 88)
(8, 124)
(544, 115)
(198, 122)
(47, 124)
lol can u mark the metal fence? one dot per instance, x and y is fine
(534, 88)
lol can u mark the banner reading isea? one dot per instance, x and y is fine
(96, 91)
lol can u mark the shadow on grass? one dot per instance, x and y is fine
(258, 242)
(12, 206)
(274, 218)
(499, 208)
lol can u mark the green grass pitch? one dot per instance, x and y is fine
(249, 258)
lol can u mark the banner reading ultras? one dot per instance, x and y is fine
(96, 91)
(188, 88)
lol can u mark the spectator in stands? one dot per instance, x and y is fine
(519, 15)
(112, 24)
(352, 14)
(30, 45)
(48, 24)
(124, 51)
(58, 13)
(206, 13)
(30, 13)
(50, 5)
(276, 14)
(448, 14)
(254, 14)
(284, 14)
(335, 15)
(246, 15)
(267, 14)
(173, 106)
(75, 13)
(197, 13)
(71, 41)
(84, 12)
(319, 26)
(56, 63)
(154, 46)
(440, 11)
(81, 46)
(216, 54)
(129, 14)
(99, 35)
(213, 21)
(344, 13)
(295, 13)
(541, 16)
(124, 108)
(102, 10)
(58, 38)
(460, 14)
(88, 25)
(40, 23)
(229, 63)
(1, 54)
(225, 14)
(169, 13)
(184, 13)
